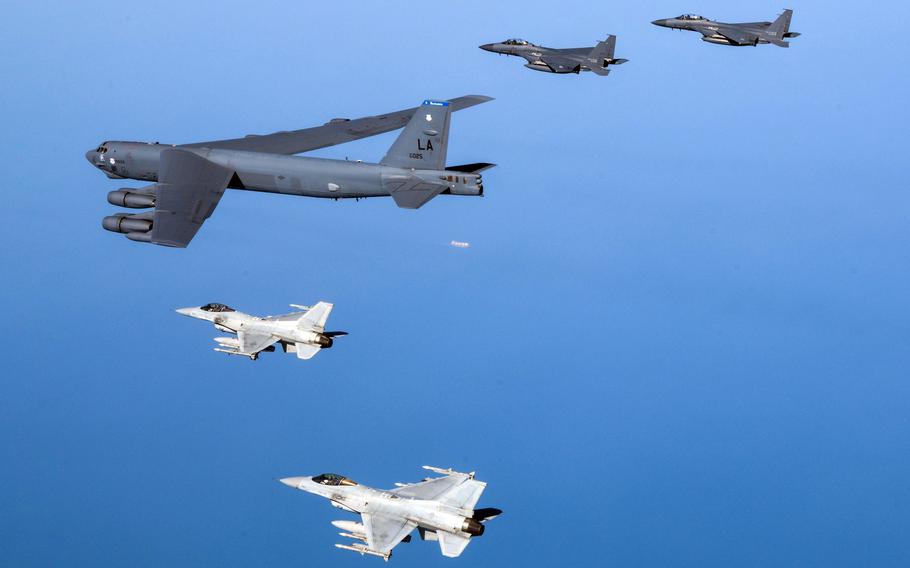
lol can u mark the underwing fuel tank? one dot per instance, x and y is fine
(350, 526)
(228, 342)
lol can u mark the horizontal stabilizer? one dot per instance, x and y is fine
(307, 351)
(471, 168)
(452, 545)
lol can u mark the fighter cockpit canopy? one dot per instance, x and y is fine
(217, 308)
(516, 42)
(333, 479)
(691, 17)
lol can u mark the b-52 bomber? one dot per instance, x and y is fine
(440, 508)
(596, 59)
(190, 179)
(751, 34)
(301, 332)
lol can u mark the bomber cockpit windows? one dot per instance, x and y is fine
(333, 479)
(102, 149)
(217, 308)
(691, 17)
(516, 42)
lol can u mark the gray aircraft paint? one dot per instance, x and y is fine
(596, 59)
(190, 179)
(441, 508)
(744, 34)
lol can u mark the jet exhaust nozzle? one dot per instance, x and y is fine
(472, 527)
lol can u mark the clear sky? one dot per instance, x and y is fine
(680, 336)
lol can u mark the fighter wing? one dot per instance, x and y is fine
(737, 36)
(429, 490)
(385, 532)
(337, 131)
(560, 64)
(456, 489)
(189, 187)
(253, 342)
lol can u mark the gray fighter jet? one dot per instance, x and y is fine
(596, 59)
(752, 33)
(441, 509)
(301, 332)
(190, 179)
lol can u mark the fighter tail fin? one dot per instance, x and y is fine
(780, 29)
(316, 317)
(423, 143)
(603, 55)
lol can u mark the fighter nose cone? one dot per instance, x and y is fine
(487, 47)
(661, 23)
(292, 481)
(185, 311)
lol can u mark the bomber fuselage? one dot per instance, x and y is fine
(277, 173)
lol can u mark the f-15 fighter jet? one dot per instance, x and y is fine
(596, 59)
(190, 179)
(441, 509)
(752, 33)
(300, 332)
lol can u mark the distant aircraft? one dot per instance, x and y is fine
(752, 33)
(440, 508)
(596, 59)
(300, 332)
(190, 179)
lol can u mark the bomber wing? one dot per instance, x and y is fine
(189, 187)
(334, 132)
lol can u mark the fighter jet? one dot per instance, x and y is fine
(440, 508)
(752, 33)
(301, 332)
(596, 59)
(190, 179)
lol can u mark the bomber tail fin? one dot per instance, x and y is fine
(423, 143)
(603, 55)
(780, 29)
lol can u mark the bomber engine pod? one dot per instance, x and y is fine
(127, 223)
(131, 199)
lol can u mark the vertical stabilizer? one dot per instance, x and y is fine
(603, 55)
(423, 143)
(316, 317)
(779, 29)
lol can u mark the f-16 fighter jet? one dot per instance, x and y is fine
(300, 332)
(189, 179)
(596, 59)
(441, 509)
(752, 33)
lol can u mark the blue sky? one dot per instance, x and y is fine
(680, 337)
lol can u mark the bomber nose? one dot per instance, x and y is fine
(90, 156)
(293, 481)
